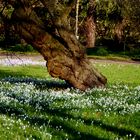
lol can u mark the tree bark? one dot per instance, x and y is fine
(119, 30)
(65, 56)
(90, 25)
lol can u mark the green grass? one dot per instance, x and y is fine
(20, 71)
(33, 106)
(120, 73)
(115, 73)
(110, 57)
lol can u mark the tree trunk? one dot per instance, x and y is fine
(65, 56)
(90, 29)
(90, 25)
(119, 30)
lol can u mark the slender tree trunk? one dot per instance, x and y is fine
(77, 19)
(65, 56)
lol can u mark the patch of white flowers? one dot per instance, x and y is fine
(116, 98)
(23, 61)
(9, 123)
(19, 95)
(119, 99)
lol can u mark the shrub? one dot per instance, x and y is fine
(102, 51)
(21, 48)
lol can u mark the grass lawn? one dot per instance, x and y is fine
(120, 73)
(24, 71)
(34, 106)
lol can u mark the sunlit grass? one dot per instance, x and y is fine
(120, 73)
(19, 71)
(34, 106)
(115, 73)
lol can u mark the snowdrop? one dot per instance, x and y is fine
(23, 61)
(116, 98)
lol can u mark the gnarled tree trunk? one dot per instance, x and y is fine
(65, 56)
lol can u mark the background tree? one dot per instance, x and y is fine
(117, 24)
(131, 22)
(90, 24)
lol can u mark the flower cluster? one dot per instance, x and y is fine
(17, 62)
(33, 101)
(116, 98)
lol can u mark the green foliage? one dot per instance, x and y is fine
(1, 37)
(99, 51)
(21, 48)
(8, 11)
(102, 52)
(115, 17)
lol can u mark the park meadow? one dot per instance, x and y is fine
(69, 69)
(34, 106)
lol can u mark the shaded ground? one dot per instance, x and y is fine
(21, 56)
(39, 58)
